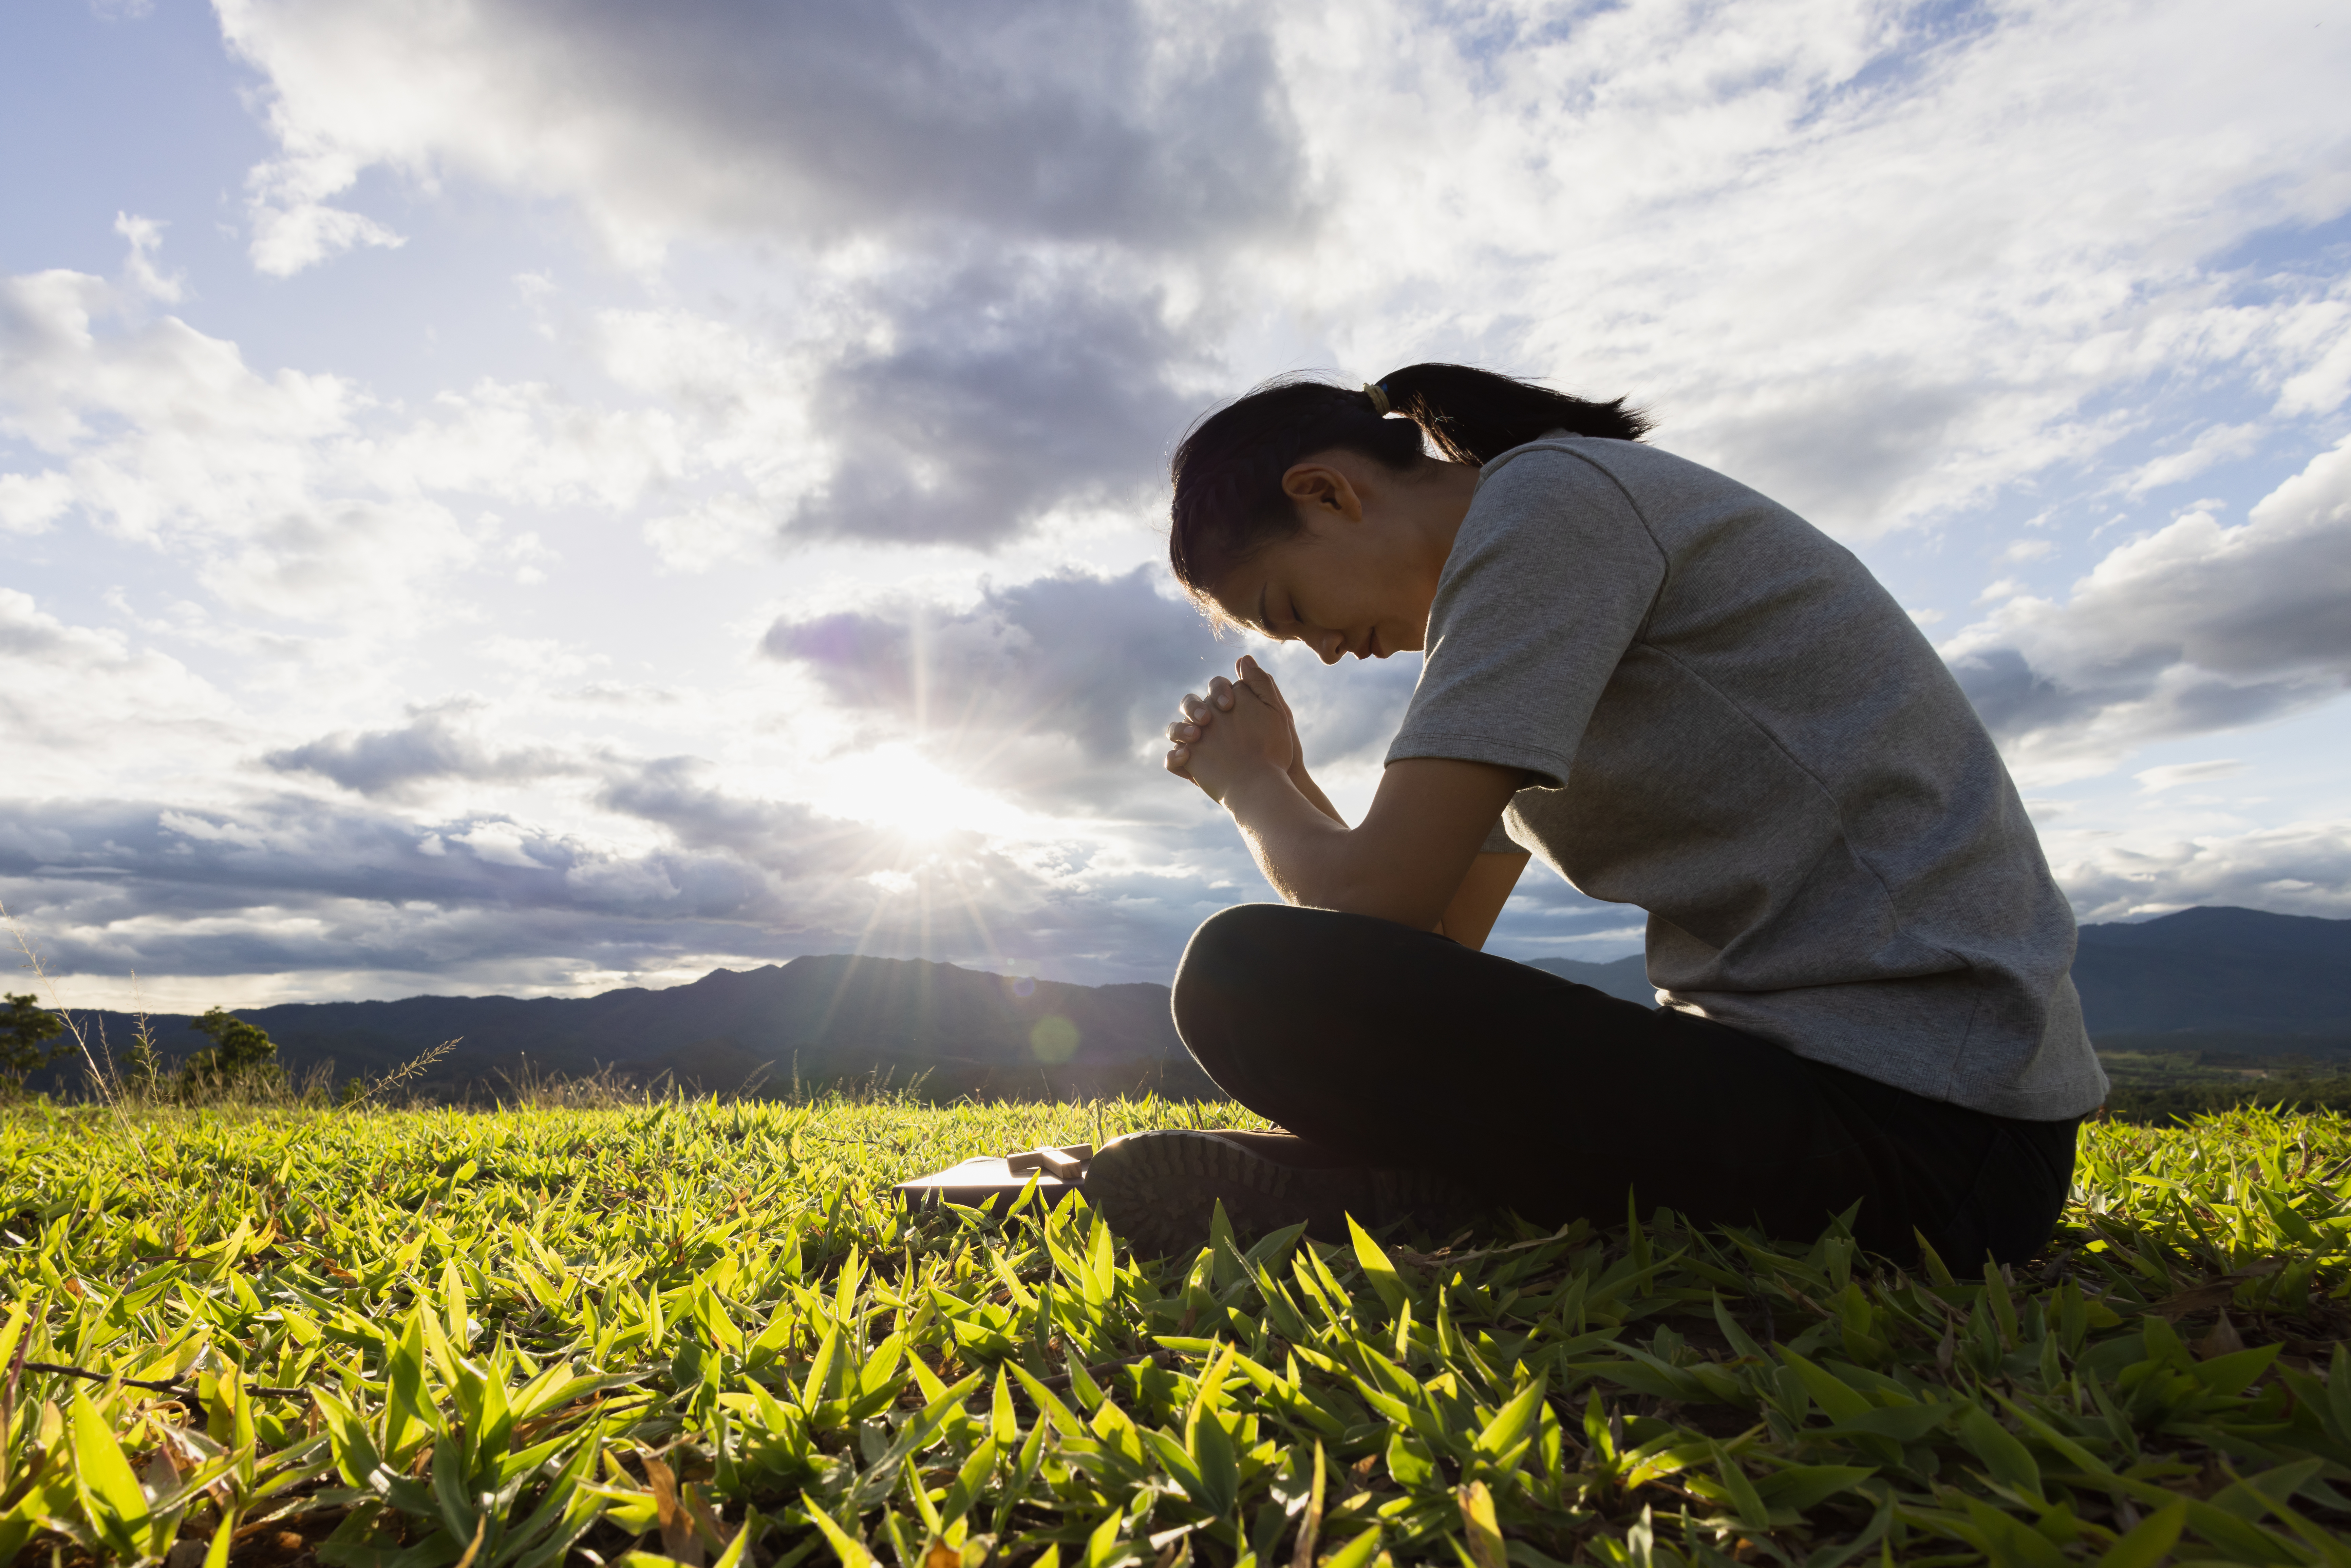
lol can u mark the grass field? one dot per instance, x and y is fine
(699, 1332)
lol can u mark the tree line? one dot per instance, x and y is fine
(241, 1055)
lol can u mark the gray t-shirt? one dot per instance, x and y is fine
(1725, 721)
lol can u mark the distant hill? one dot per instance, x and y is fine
(2229, 975)
(2243, 971)
(826, 1018)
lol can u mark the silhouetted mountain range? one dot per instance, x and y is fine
(2195, 980)
(823, 1018)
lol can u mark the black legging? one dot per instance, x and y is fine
(1400, 1047)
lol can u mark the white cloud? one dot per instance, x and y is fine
(2173, 774)
(292, 494)
(79, 704)
(2300, 868)
(140, 270)
(293, 227)
(2320, 334)
(29, 502)
(2216, 443)
(2193, 629)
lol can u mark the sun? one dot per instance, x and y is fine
(898, 788)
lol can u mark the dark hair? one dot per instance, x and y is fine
(1228, 472)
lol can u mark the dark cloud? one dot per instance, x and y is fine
(781, 836)
(1061, 121)
(2128, 704)
(2195, 628)
(1071, 120)
(290, 884)
(1086, 664)
(1006, 390)
(434, 743)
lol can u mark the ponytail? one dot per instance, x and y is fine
(1228, 501)
(1474, 416)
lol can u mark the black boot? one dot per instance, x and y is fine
(1159, 1190)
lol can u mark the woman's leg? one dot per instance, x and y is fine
(1401, 1048)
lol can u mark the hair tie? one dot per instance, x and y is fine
(1379, 396)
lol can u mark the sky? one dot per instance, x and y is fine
(502, 496)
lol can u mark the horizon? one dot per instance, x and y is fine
(470, 530)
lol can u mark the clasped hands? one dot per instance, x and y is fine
(1241, 729)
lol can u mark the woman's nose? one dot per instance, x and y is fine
(1328, 647)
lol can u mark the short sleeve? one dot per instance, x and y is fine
(1551, 577)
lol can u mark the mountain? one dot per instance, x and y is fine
(2232, 969)
(2217, 971)
(826, 1018)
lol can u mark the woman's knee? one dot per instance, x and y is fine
(1226, 966)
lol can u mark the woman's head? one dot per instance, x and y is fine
(1232, 501)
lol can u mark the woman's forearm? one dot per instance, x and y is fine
(1406, 860)
(1313, 792)
(1297, 838)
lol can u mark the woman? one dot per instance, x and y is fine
(1682, 696)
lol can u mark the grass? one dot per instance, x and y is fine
(700, 1332)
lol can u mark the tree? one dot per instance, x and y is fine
(26, 1028)
(238, 1051)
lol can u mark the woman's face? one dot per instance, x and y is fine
(1339, 589)
(1360, 577)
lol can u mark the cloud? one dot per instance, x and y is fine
(140, 270)
(2172, 775)
(1057, 685)
(1003, 392)
(288, 885)
(436, 744)
(2299, 868)
(293, 494)
(1059, 121)
(293, 226)
(163, 436)
(2193, 629)
(77, 701)
(2216, 443)
(961, 403)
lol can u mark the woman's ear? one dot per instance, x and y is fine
(1323, 491)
